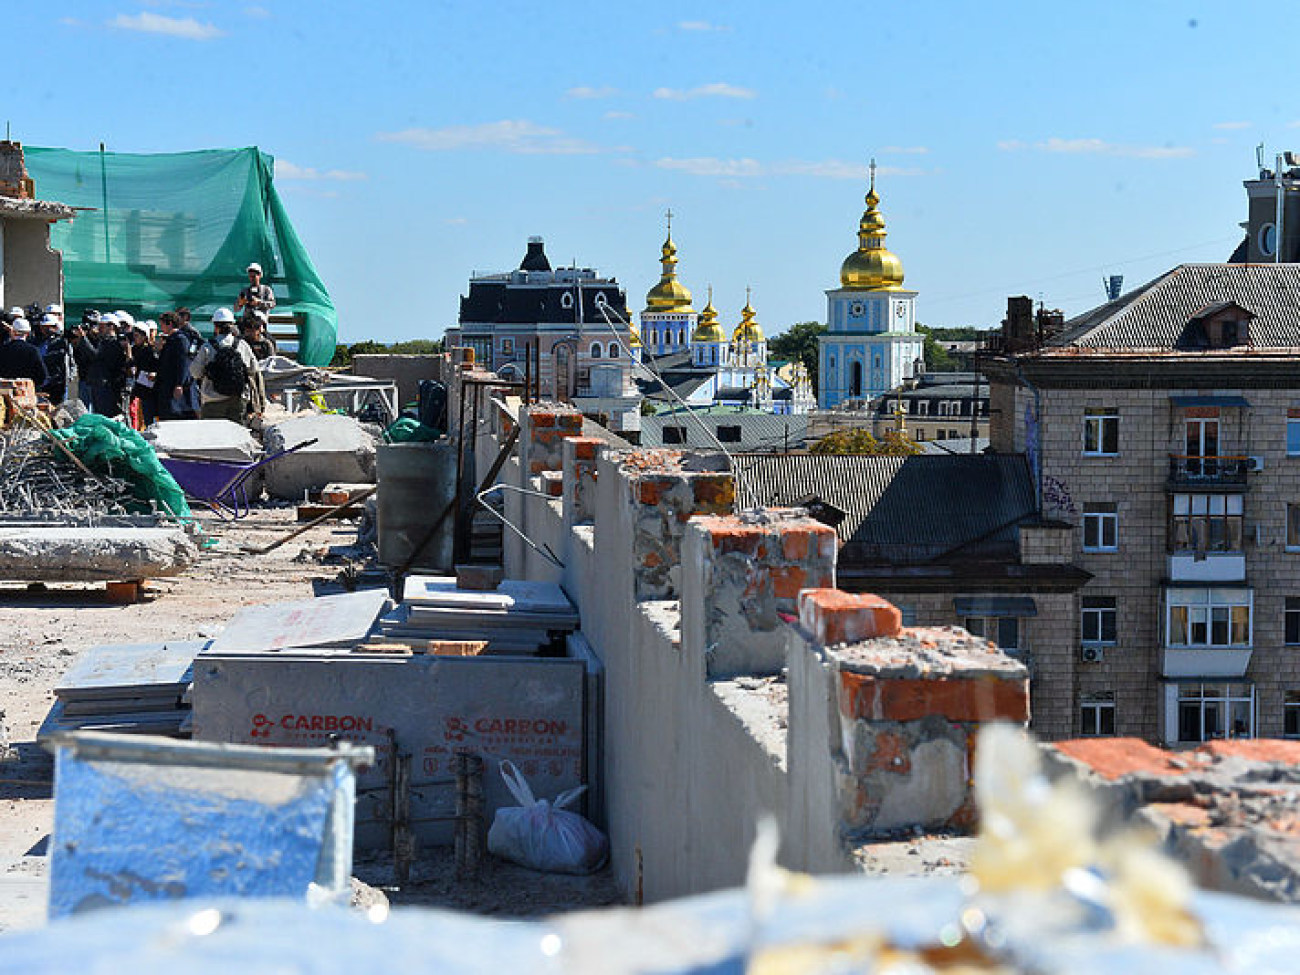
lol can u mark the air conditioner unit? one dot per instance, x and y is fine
(1255, 463)
(1092, 655)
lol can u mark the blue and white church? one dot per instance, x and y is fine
(871, 344)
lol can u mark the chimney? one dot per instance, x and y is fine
(535, 259)
(14, 181)
(1018, 332)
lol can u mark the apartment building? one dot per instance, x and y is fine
(1165, 426)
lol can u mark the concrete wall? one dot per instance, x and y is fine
(405, 370)
(32, 270)
(688, 609)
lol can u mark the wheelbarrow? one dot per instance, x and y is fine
(221, 485)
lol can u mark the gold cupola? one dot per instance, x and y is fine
(748, 330)
(872, 267)
(669, 294)
(708, 330)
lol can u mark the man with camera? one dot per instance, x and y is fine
(257, 296)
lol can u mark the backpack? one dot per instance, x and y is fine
(227, 371)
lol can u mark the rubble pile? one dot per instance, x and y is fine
(40, 480)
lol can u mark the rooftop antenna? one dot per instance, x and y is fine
(1259, 159)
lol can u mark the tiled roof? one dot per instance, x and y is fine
(903, 510)
(1155, 315)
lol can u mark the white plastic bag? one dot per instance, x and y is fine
(543, 835)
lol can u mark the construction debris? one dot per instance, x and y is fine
(336, 623)
(342, 451)
(35, 477)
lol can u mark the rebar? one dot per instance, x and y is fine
(37, 480)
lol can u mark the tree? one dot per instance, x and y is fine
(343, 354)
(894, 443)
(798, 343)
(937, 357)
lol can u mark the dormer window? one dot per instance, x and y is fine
(1222, 325)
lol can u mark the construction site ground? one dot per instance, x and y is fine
(44, 627)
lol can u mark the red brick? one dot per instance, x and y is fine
(536, 466)
(795, 543)
(827, 541)
(540, 419)
(570, 421)
(741, 539)
(788, 580)
(891, 754)
(835, 617)
(979, 699)
(124, 593)
(584, 448)
(651, 488)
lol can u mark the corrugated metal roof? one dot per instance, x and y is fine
(1155, 315)
(902, 510)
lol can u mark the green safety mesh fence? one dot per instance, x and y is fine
(177, 229)
(109, 447)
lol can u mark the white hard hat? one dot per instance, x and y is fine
(124, 318)
(54, 309)
(17, 311)
(254, 267)
(21, 326)
(51, 320)
(109, 317)
(223, 315)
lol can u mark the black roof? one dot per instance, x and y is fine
(495, 301)
(1154, 316)
(535, 259)
(904, 510)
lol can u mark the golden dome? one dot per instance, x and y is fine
(748, 330)
(669, 294)
(872, 267)
(633, 337)
(708, 330)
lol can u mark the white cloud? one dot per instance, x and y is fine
(748, 168)
(287, 170)
(701, 26)
(718, 89)
(712, 166)
(186, 28)
(1098, 147)
(587, 91)
(509, 135)
(1230, 126)
(618, 115)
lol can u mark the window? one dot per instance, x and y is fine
(1293, 432)
(1209, 618)
(1101, 432)
(1097, 714)
(1100, 527)
(596, 350)
(1002, 630)
(1292, 628)
(613, 350)
(675, 435)
(729, 434)
(1291, 714)
(1100, 620)
(1208, 711)
(1206, 523)
(1293, 526)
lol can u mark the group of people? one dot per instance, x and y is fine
(145, 370)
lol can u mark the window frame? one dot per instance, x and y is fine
(1292, 526)
(1293, 423)
(986, 623)
(1103, 607)
(1291, 713)
(1213, 610)
(1224, 530)
(1290, 616)
(729, 433)
(1101, 705)
(1101, 428)
(1103, 513)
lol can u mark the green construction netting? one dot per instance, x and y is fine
(177, 229)
(110, 447)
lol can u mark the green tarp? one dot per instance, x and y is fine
(178, 229)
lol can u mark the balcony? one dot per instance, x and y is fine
(1204, 473)
(1204, 661)
(1207, 567)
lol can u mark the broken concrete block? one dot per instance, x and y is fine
(343, 451)
(210, 439)
(94, 554)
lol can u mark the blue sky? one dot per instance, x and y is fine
(1025, 148)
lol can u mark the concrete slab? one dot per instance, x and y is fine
(24, 891)
(213, 439)
(343, 452)
(528, 710)
(111, 670)
(339, 622)
(94, 554)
